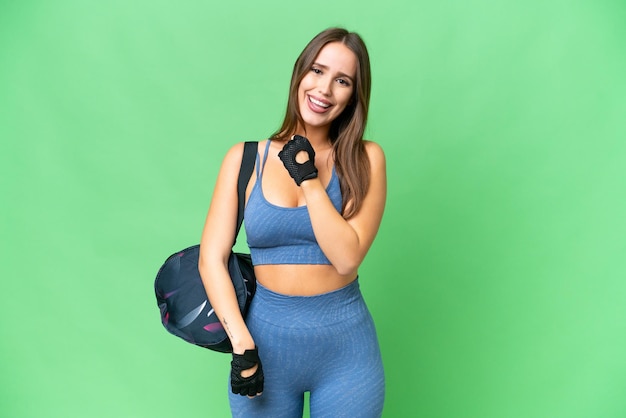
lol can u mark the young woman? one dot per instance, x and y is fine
(312, 211)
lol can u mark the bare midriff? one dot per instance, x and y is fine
(301, 279)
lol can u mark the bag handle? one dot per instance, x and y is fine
(245, 172)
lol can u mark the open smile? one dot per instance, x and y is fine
(318, 105)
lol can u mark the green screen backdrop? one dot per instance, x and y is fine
(497, 281)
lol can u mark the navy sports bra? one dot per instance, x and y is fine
(282, 235)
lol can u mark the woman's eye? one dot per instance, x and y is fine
(343, 82)
(316, 70)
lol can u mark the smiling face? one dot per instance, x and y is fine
(327, 87)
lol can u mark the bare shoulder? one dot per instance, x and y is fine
(232, 160)
(376, 154)
(234, 154)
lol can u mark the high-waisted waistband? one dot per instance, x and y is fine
(308, 311)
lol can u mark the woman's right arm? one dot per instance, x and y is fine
(215, 247)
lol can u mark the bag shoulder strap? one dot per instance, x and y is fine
(245, 172)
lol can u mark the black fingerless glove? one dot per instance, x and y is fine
(246, 386)
(299, 171)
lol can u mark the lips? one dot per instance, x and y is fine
(318, 105)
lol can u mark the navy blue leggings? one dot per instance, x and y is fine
(325, 344)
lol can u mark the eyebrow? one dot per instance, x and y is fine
(340, 73)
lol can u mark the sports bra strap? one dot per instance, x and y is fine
(259, 170)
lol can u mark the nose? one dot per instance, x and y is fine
(325, 86)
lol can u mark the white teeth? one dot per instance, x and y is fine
(317, 102)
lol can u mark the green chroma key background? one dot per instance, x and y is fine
(497, 281)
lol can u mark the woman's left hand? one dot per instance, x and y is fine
(299, 171)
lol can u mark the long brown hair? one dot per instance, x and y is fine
(346, 132)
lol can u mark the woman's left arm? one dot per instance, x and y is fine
(346, 242)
